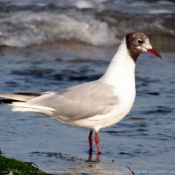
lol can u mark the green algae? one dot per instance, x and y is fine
(10, 166)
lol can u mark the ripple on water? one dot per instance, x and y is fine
(76, 77)
(158, 110)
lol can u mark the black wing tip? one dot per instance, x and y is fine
(7, 101)
(28, 93)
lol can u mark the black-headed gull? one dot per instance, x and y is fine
(97, 104)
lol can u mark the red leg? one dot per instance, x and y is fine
(97, 141)
(90, 141)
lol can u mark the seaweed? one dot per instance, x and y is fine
(11, 166)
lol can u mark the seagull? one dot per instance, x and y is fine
(97, 104)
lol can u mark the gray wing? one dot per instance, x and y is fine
(78, 102)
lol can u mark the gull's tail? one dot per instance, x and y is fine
(19, 102)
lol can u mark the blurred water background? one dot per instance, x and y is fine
(47, 45)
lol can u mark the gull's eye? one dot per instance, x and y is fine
(139, 41)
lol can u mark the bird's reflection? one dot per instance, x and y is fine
(97, 157)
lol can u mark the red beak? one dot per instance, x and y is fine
(154, 52)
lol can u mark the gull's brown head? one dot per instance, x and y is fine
(137, 43)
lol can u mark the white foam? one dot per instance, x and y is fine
(83, 4)
(37, 28)
(158, 11)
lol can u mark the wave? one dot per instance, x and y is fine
(38, 24)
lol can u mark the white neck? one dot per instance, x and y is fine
(121, 69)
